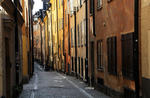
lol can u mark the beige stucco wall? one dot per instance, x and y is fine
(145, 38)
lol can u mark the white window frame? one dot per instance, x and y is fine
(99, 4)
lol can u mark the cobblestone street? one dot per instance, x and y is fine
(55, 85)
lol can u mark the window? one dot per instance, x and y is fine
(127, 56)
(84, 31)
(69, 47)
(112, 55)
(81, 33)
(78, 35)
(99, 4)
(54, 4)
(72, 36)
(100, 54)
(62, 23)
(62, 2)
(80, 3)
(66, 18)
(109, 0)
(91, 6)
(59, 3)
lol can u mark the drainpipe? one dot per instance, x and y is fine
(86, 8)
(64, 35)
(75, 42)
(32, 40)
(44, 45)
(136, 48)
(48, 34)
(94, 18)
(52, 42)
(41, 44)
(57, 32)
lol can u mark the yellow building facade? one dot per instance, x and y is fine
(46, 40)
(50, 45)
(25, 41)
(60, 34)
(54, 33)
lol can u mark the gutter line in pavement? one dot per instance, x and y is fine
(80, 89)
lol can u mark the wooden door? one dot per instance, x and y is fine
(92, 64)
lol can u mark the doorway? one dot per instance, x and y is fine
(92, 64)
(8, 68)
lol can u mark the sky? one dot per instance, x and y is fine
(37, 5)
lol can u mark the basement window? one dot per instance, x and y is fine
(129, 93)
(100, 81)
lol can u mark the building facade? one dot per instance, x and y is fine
(37, 40)
(15, 46)
(50, 38)
(11, 53)
(95, 40)
(144, 29)
(54, 33)
(25, 43)
(91, 28)
(66, 36)
(60, 34)
(78, 39)
(110, 38)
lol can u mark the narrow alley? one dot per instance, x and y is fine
(55, 85)
(75, 49)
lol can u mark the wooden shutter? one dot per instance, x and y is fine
(127, 55)
(109, 53)
(112, 55)
(99, 54)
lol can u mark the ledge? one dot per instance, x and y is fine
(10, 8)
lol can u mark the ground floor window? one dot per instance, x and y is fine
(100, 54)
(112, 55)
